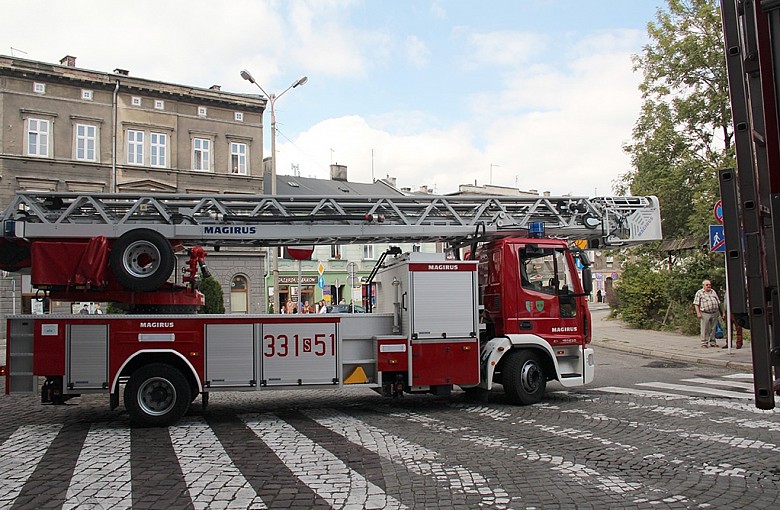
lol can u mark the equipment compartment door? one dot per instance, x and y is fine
(451, 362)
(299, 354)
(443, 304)
(87, 357)
(230, 355)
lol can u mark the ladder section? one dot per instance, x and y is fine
(750, 205)
(258, 220)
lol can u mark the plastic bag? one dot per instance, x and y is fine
(718, 331)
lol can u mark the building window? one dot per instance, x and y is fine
(201, 154)
(135, 101)
(159, 104)
(86, 94)
(158, 147)
(39, 88)
(238, 295)
(38, 137)
(368, 252)
(86, 142)
(335, 251)
(135, 147)
(202, 111)
(238, 116)
(238, 158)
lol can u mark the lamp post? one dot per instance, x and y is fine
(272, 100)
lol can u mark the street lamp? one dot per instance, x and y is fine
(272, 100)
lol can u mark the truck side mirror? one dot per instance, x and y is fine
(587, 280)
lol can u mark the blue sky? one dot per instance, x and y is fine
(434, 93)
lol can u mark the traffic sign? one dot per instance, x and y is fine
(320, 268)
(321, 282)
(717, 239)
(718, 211)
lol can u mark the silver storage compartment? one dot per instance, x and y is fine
(230, 355)
(298, 354)
(87, 357)
(20, 357)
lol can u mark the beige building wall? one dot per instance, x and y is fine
(70, 106)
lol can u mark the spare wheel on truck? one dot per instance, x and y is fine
(142, 260)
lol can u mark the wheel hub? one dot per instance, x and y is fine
(157, 396)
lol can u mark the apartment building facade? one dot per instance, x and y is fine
(69, 129)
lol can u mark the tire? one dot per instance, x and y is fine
(157, 395)
(524, 379)
(141, 260)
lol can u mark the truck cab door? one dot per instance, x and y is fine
(547, 294)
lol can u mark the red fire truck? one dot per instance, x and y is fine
(751, 192)
(514, 313)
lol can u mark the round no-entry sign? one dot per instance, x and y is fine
(718, 210)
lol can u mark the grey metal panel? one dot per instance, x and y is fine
(20, 351)
(443, 304)
(87, 357)
(366, 325)
(230, 354)
(300, 354)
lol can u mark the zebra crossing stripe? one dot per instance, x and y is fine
(105, 455)
(640, 393)
(718, 382)
(212, 479)
(19, 456)
(319, 469)
(711, 392)
(739, 376)
(413, 457)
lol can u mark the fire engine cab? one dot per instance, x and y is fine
(514, 313)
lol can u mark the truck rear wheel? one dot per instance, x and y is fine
(157, 395)
(141, 260)
(524, 380)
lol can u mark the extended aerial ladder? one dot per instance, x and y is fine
(138, 233)
(251, 220)
(751, 193)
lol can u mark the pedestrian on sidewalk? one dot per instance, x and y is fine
(708, 310)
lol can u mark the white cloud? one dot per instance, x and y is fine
(417, 51)
(506, 48)
(560, 130)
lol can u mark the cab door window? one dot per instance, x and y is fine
(546, 271)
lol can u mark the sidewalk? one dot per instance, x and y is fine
(615, 334)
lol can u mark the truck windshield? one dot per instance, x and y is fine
(546, 271)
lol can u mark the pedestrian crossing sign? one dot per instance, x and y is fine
(717, 239)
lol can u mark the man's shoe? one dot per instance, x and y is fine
(725, 346)
(704, 346)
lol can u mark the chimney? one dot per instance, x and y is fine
(392, 181)
(123, 72)
(215, 87)
(547, 193)
(424, 189)
(534, 191)
(338, 173)
(68, 60)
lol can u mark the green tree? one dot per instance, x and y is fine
(214, 297)
(683, 134)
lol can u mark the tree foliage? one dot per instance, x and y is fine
(682, 137)
(214, 297)
(683, 134)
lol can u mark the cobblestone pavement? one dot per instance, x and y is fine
(601, 447)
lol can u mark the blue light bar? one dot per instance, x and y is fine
(536, 229)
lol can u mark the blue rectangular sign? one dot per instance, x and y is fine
(717, 239)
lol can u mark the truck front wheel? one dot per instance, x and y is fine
(524, 380)
(157, 395)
